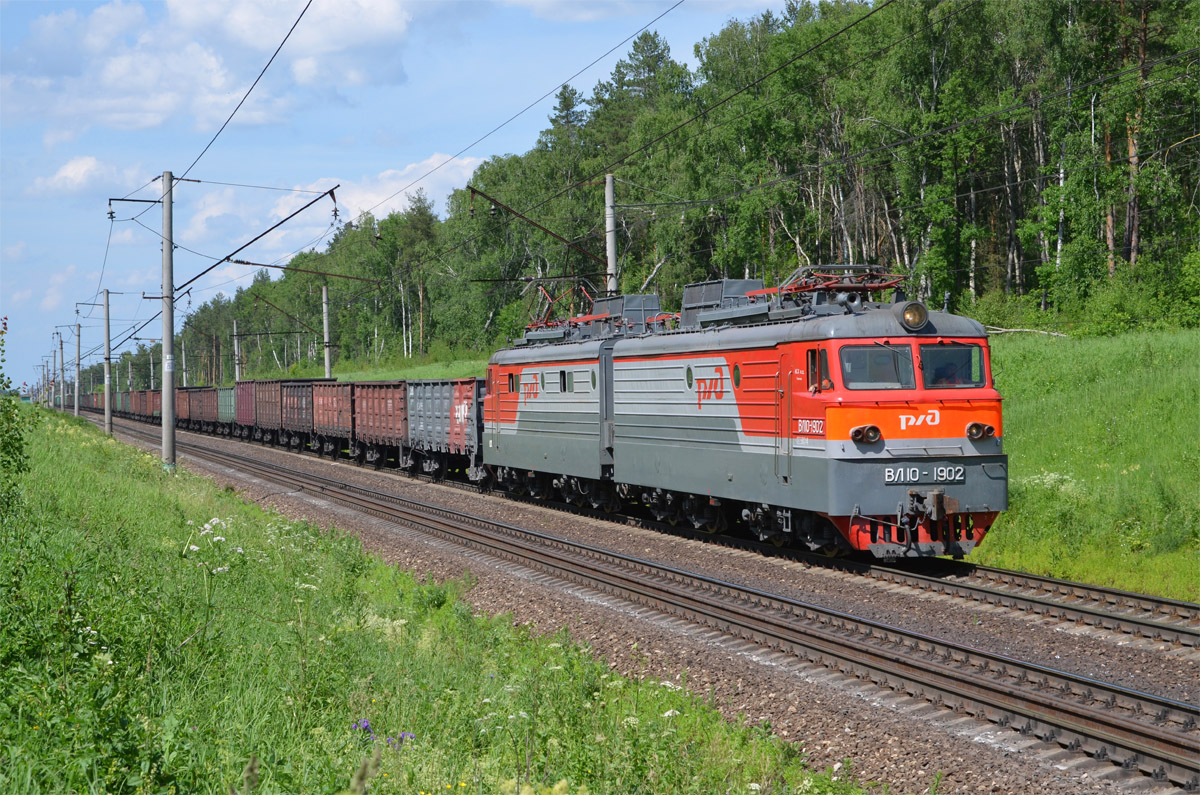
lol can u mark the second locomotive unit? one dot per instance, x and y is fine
(811, 413)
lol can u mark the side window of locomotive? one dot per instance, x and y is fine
(512, 382)
(562, 380)
(952, 366)
(817, 371)
(877, 367)
(570, 380)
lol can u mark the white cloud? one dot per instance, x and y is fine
(123, 68)
(78, 174)
(211, 205)
(14, 252)
(54, 290)
(380, 194)
(21, 296)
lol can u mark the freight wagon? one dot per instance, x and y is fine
(380, 422)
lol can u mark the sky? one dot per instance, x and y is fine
(99, 99)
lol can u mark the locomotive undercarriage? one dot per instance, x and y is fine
(777, 525)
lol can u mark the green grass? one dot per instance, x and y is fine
(156, 633)
(1104, 460)
(460, 368)
(354, 370)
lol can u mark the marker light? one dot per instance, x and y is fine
(913, 315)
(977, 431)
(866, 433)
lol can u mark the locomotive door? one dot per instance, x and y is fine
(783, 415)
(604, 384)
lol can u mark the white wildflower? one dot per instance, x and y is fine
(630, 722)
(218, 538)
(670, 713)
(193, 548)
(753, 787)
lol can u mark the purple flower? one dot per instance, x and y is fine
(396, 742)
(365, 726)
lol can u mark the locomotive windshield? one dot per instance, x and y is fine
(952, 366)
(877, 367)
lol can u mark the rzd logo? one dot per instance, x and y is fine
(529, 390)
(460, 413)
(710, 388)
(932, 417)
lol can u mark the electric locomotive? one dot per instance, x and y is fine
(811, 414)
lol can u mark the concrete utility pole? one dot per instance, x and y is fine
(183, 344)
(237, 355)
(168, 320)
(325, 318)
(107, 371)
(151, 372)
(76, 365)
(610, 232)
(62, 375)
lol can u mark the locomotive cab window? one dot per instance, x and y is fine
(512, 382)
(562, 380)
(877, 367)
(952, 366)
(818, 371)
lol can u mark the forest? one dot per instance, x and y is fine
(1028, 163)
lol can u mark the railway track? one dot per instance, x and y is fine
(1137, 731)
(1140, 617)
(1143, 617)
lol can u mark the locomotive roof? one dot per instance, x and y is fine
(872, 321)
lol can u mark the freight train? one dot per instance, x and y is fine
(811, 414)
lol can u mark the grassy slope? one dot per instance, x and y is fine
(146, 646)
(1104, 460)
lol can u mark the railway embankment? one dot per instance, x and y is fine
(1103, 460)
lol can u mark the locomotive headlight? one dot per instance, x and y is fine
(866, 433)
(913, 315)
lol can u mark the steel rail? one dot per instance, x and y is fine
(1138, 731)
(1140, 615)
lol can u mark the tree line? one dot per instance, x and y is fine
(1020, 161)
